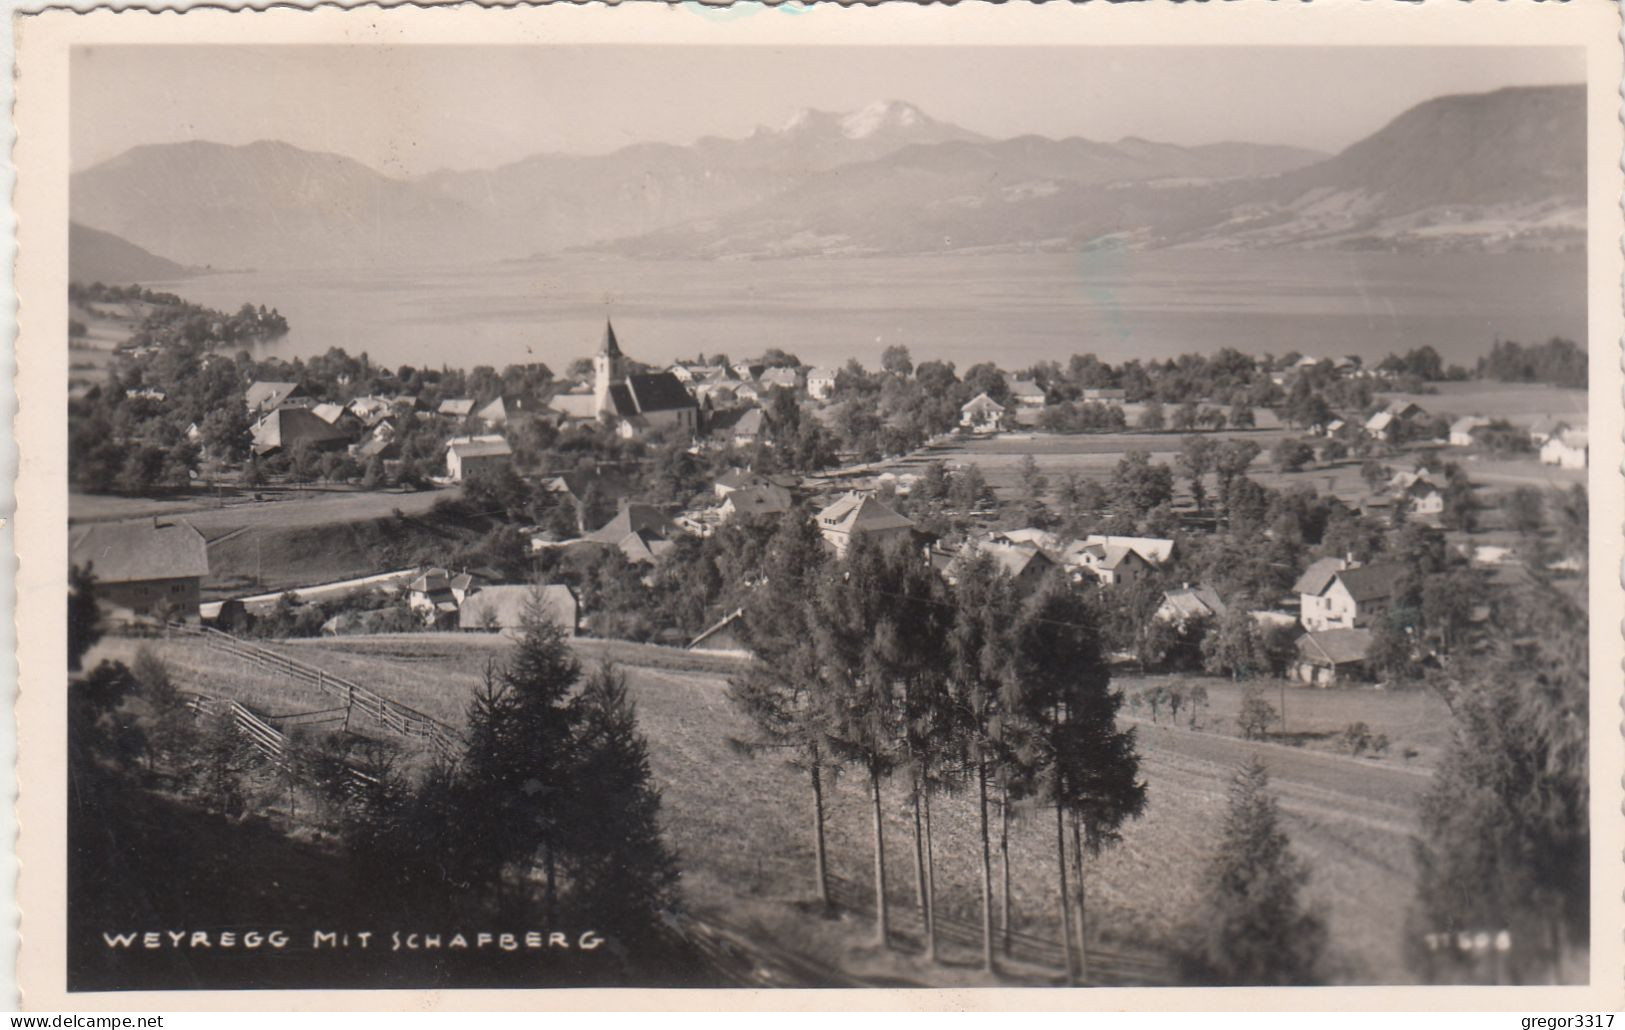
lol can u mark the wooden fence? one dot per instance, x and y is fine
(263, 737)
(358, 700)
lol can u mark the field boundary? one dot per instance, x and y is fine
(388, 715)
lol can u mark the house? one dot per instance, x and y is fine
(1335, 594)
(739, 479)
(1110, 564)
(437, 595)
(1569, 449)
(381, 441)
(1025, 393)
(739, 428)
(283, 429)
(982, 414)
(502, 410)
(501, 609)
(723, 636)
(371, 409)
(1384, 424)
(570, 409)
(264, 397)
(854, 515)
(456, 407)
(640, 403)
(1331, 656)
(1155, 550)
(1190, 604)
(759, 501)
(1423, 497)
(747, 369)
(777, 378)
(1462, 429)
(683, 371)
(640, 531)
(149, 567)
(821, 383)
(466, 454)
(1546, 427)
(1025, 564)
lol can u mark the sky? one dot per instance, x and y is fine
(411, 110)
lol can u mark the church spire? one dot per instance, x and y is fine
(611, 346)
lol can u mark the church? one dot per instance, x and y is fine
(643, 402)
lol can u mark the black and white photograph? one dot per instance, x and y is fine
(871, 515)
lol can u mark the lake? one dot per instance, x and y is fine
(1011, 309)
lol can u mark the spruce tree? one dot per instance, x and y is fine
(1253, 927)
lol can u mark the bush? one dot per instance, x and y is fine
(1256, 714)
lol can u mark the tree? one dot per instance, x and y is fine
(1196, 457)
(1236, 646)
(1230, 462)
(1138, 486)
(1253, 927)
(1151, 417)
(780, 694)
(374, 477)
(1292, 455)
(622, 874)
(895, 359)
(84, 614)
(1256, 714)
(1033, 480)
(1525, 509)
(1504, 841)
(1375, 474)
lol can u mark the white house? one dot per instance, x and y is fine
(1461, 430)
(855, 515)
(982, 414)
(1024, 393)
(1334, 594)
(821, 383)
(464, 454)
(1569, 449)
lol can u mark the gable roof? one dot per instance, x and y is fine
(1025, 388)
(329, 413)
(1468, 423)
(262, 397)
(1198, 602)
(980, 403)
(785, 377)
(143, 549)
(737, 479)
(1372, 582)
(285, 427)
(759, 500)
(822, 372)
(1153, 549)
(859, 513)
(643, 546)
(636, 517)
(658, 391)
(1380, 421)
(575, 405)
(1319, 575)
(456, 406)
(1335, 646)
(1014, 559)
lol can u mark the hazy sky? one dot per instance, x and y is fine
(409, 110)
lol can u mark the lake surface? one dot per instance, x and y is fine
(1011, 309)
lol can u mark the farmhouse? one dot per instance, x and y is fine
(821, 383)
(777, 378)
(467, 454)
(1024, 393)
(739, 428)
(1462, 429)
(1328, 657)
(1424, 498)
(855, 515)
(982, 414)
(1569, 449)
(504, 608)
(1335, 594)
(148, 566)
(634, 517)
(1546, 427)
(759, 501)
(1155, 550)
(264, 397)
(1110, 564)
(639, 403)
(456, 407)
(1190, 604)
(1025, 564)
(286, 428)
(436, 595)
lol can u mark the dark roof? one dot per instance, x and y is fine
(760, 500)
(659, 391)
(1372, 582)
(146, 549)
(1198, 602)
(1318, 576)
(1335, 646)
(634, 518)
(265, 396)
(610, 346)
(285, 427)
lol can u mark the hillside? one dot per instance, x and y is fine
(96, 256)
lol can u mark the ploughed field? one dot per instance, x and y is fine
(742, 825)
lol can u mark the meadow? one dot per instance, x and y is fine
(741, 824)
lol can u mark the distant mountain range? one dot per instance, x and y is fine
(1484, 171)
(96, 256)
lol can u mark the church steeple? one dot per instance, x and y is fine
(609, 368)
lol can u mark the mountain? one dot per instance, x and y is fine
(267, 204)
(1482, 171)
(96, 256)
(554, 201)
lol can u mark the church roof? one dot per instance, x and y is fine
(611, 346)
(658, 391)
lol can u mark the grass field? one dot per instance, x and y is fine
(741, 824)
(1317, 716)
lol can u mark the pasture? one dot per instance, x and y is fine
(741, 824)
